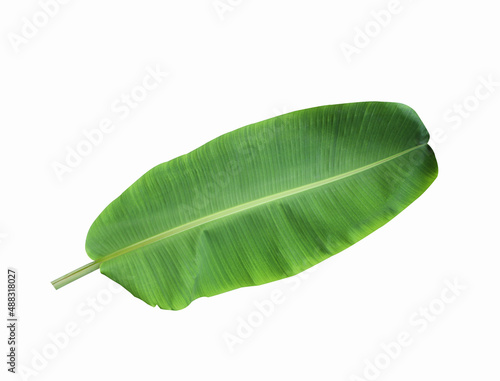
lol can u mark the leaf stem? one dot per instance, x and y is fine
(75, 274)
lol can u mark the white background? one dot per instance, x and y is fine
(227, 68)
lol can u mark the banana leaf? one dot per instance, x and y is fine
(261, 203)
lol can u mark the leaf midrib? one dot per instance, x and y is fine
(248, 205)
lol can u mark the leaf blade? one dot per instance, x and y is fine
(250, 246)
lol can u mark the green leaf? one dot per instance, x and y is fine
(261, 203)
